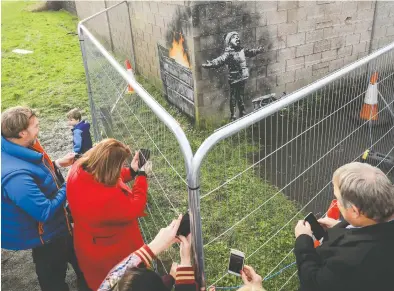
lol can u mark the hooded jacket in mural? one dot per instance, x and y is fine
(235, 59)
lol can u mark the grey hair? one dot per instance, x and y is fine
(367, 188)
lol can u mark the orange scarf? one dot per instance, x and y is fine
(38, 148)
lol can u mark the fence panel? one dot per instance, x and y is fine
(279, 168)
(260, 174)
(137, 120)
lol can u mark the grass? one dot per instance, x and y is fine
(52, 80)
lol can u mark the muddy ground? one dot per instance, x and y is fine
(17, 268)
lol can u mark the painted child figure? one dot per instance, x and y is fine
(234, 57)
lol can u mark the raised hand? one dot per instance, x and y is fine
(166, 237)
(134, 162)
(66, 161)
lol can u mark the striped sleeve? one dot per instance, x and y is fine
(184, 275)
(143, 255)
(146, 255)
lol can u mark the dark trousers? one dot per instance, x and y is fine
(51, 264)
(237, 92)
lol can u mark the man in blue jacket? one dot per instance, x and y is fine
(33, 195)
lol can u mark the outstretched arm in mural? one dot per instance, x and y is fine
(253, 52)
(218, 62)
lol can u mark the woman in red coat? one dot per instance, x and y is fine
(104, 209)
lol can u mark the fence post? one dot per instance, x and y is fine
(109, 27)
(91, 103)
(195, 224)
(133, 60)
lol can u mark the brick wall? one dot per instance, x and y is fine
(383, 30)
(155, 23)
(303, 40)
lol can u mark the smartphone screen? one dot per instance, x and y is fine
(236, 263)
(144, 155)
(317, 230)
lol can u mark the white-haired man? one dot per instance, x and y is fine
(358, 253)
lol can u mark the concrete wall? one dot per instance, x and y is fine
(303, 40)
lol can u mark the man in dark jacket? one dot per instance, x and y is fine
(32, 200)
(358, 253)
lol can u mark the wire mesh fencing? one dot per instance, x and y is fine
(280, 168)
(126, 117)
(255, 182)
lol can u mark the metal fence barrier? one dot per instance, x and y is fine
(277, 166)
(137, 120)
(270, 167)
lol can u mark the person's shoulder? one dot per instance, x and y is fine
(11, 165)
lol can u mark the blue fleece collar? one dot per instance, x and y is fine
(79, 125)
(20, 152)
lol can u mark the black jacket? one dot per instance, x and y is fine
(359, 259)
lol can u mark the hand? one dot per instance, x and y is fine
(207, 64)
(328, 222)
(173, 270)
(185, 250)
(66, 161)
(147, 168)
(302, 227)
(134, 162)
(166, 237)
(250, 278)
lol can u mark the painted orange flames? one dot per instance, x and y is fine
(177, 52)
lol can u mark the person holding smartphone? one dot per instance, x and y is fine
(105, 210)
(357, 253)
(134, 272)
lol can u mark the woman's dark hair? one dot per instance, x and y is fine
(140, 279)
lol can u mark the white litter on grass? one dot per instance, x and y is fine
(22, 52)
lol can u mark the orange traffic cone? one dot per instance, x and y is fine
(130, 89)
(333, 211)
(370, 106)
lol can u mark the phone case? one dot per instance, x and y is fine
(237, 254)
(184, 227)
(144, 155)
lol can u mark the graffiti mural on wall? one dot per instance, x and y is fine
(176, 76)
(175, 65)
(234, 57)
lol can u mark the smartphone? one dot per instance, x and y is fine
(317, 230)
(184, 227)
(144, 155)
(236, 264)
